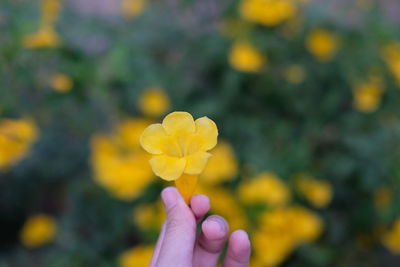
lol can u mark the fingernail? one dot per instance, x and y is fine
(169, 196)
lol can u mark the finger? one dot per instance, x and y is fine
(210, 244)
(200, 205)
(238, 253)
(157, 248)
(180, 231)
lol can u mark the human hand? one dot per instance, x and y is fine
(177, 245)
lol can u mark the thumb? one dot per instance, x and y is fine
(180, 231)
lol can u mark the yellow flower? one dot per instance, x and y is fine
(132, 8)
(268, 12)
(383, 197)
(154, 102)
(224, 203)
(61, 82)
(246, 58)
(322, 44)
(118, 162)
(149, 216)
(38, 230)
(308, 225)
(391, 55)
(138, 256)
(45, 37)
(222, 166)
(317, 192)
(179, 148)
(16, 138)
(391, 238)
(368, 94)
(294, 74)
(265, 188)
(179, 145)
(50, 10)
(281, 230)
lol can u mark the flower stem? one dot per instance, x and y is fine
(186, 185)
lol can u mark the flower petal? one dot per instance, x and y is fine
(152, 138)
(168, 168)
(196, 163)
(178, 122)
(208, 132)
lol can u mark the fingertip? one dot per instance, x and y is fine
(239, 243)
(215, 227)
(170, 196)
(200, 205)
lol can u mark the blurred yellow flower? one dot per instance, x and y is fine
(266, 188)
(149, 215)
(50, 11)
(222, 166)
(224, 203)
(322, 44)
(391, 55)
(132, 8)
(368, 95)
(268, 12)
(44, 37)
(138, 256)
(391, 238)
(38, 230)
(281, 230)
(383, 197)
(317, 192)
(61, 83)
(16, 138)
(154, 102)
(295, 74)
(118, 162)
(244, 57)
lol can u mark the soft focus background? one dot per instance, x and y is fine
(305, 94)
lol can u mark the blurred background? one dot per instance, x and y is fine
(305, 94)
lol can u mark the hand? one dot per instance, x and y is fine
(177, 245)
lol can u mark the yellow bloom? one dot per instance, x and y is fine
(383, 197)
(50, 10)
(179, 145)
(118, 162)
(149, 216)
(154, 102)
(38, 230)
(138, 256)
(246, 58)
(391, 238)
(224, 203)
(367, 95)
(16, 138)
(132, 8)
(45, 37)
(391, 55)
(322, 44)
(317, 192)
(179, 148)
(294, 74)
(265, 188)
(61, 82)
(222, 166)
(268, 12)
(281, 230)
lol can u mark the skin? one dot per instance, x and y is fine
(178, 244)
